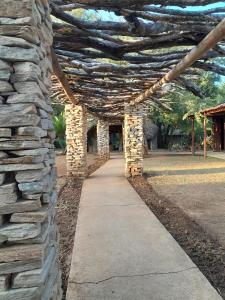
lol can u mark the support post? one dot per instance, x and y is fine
(205, 136)
(133, 140)
(193, 135)
(76, 140)
(103, 139)
(29, 266)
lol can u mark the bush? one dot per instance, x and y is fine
(60, 130)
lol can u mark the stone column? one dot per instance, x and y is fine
(133, 140)
(103, 139)
(76, 140)
(29, 267)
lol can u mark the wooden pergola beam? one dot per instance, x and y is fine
(216, 35)
(205, 136)
(62, 78)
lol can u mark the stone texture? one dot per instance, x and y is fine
(28, 232)
(34, 277)
(19, 206)
(15, 54)
(5, 132)
(20, 167)
(133, 140)
(33, 175)
(76, 140)
(103, 139)
(4, 282)
(30, 217)
(17, 232)
(18, 294)
(2, 178)
(8, 194)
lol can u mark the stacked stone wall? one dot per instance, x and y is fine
(133, 140)
(76, 140)
(28, 235)
(103, 139)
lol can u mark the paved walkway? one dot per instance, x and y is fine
(122, 252)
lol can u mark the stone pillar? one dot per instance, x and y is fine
(29, 267)
(76, 140)
(133, 140)
(103, 139)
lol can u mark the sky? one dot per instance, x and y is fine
(106, 16)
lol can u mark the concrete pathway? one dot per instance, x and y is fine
(122, 251)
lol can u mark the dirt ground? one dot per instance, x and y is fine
(194, 184)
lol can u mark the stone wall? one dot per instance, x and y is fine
(103, 139)
(76, 140)
(133, 140)
(28, 235)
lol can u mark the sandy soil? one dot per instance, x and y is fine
(195, 185)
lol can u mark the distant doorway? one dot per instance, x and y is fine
(116, 138)
(218, 133)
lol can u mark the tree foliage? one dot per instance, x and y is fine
(185, 103)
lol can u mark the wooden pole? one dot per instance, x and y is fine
(197, 52)
(193, 136)
(205, 137)
(62, 78)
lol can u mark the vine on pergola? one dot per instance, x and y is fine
(109, 63)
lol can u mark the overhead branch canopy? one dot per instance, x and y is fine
(121, 49)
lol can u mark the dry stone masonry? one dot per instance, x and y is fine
(103, 139)
(76, 140)
(28, 236)
(133, 140)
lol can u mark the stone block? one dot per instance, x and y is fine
(28, 87)
(31, 131)
(26, 71)
(19, 294)
(19, 145)
(20, 167)
(34, 152)
(8, 193)
(2, 178)
(4, 75)
(5, 86)
(18, 232)
(21, 252)
(20, 115)
(20, 266)
(30, 217)
(16, 54)
(34, 277)
(36, 186)
(28, 98)
(5, 132)
(4, 282)
(32, 175)
(19, 206)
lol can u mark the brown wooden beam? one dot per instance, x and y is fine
(193, 136)
(197, 52)
(62, 78)
(205, 136)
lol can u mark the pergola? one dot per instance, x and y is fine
(117, 68)
(113, 69)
